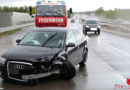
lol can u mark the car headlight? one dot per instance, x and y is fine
(87, 26)
(99, 26)
(44, 59)
(2, 60)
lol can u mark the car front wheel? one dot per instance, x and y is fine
(67, 70)
(98, 31)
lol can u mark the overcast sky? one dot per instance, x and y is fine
(77, 5)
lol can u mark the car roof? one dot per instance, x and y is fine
(91, 20)
(55, 29)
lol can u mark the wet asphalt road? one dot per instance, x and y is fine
(108, 64)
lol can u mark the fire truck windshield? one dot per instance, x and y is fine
(51, 10)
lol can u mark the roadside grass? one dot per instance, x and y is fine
(10, 32)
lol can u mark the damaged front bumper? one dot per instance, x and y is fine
(41, 75)
(18, 73)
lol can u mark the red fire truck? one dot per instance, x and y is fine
(51, 14)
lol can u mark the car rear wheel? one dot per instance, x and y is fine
(85, 32)
(85, 55)
(67, 70)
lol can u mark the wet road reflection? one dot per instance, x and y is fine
(108, 63)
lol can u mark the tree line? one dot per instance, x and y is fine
(24, 9)
(112, 14)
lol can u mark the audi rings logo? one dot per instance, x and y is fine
(18, 66)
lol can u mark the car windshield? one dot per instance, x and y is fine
(51, 10)
(45, 39)
(91, 22)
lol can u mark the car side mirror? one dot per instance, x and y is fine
(18, 41)
(30, 12)
(71, 45)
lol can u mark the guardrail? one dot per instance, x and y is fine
(4, 29)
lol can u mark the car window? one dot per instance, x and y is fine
(50, 39)
(71, 38)
(78, 35)
(36, 38)
(56, 41)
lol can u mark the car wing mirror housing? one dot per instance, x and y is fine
(18, 41)
(71, 45)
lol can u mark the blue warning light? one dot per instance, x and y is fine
(38, 3)
(63, 3)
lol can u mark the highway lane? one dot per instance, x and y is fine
(108, 64)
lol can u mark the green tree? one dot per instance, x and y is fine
(25, 8)
(0, 9)
(21, 9)
(33, 10)
(6, 9)
(110, 14)
(99, 11)
(11, 9)
(16, 9)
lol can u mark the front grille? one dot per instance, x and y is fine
(50, 24)
(17, 69)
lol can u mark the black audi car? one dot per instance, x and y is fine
(91, 26)
(43, 52)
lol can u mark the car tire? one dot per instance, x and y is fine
(83, 30)
(4, 77)
(98, 32)
(95, 32)
(67, 70)
(86, 32)
(85, 55)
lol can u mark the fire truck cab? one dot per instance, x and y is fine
(50, 14)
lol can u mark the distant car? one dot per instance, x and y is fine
(82, 20)
(43, 52)
(91, 26)
(72, 20)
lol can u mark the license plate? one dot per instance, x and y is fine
(14, 72)
(93, 29)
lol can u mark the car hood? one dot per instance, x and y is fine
(30, 53)
(92, 25)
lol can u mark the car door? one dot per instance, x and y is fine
(80, 42)
(72, 51)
